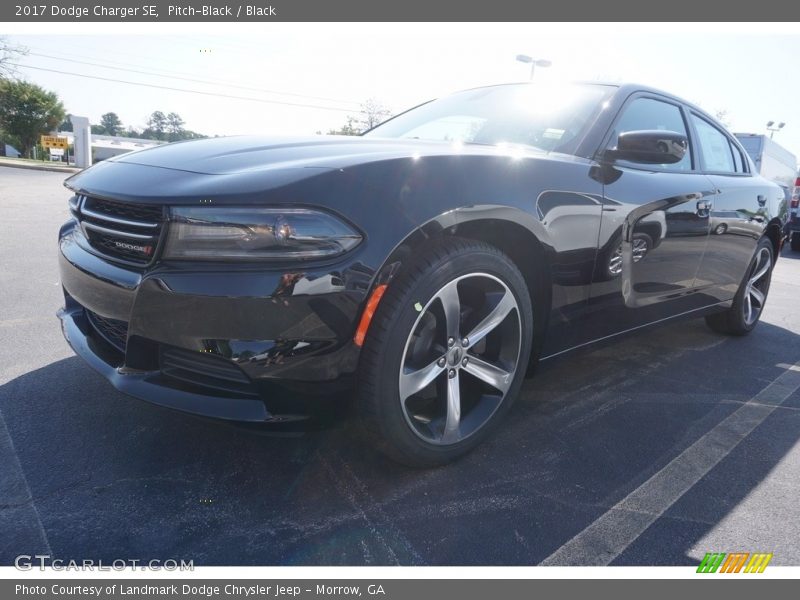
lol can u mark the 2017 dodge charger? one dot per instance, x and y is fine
(427, 263)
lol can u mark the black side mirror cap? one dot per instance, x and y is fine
(651, 147)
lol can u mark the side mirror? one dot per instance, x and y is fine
(652, 147)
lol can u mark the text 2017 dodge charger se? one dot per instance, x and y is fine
(428, 263)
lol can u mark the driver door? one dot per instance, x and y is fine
(654, 227)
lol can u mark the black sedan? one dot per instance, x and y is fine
(427, 264)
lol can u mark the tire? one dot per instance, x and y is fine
(720, 229)
(745, 312)
(795, 242)
(407, 345)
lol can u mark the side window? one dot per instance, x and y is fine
(648, 113)
(714, 147)
(738, 162)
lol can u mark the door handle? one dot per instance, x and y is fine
(704, 207)
(762, 199)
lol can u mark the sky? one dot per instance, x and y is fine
(331, 68)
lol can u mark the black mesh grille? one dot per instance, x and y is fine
(136, 212)
(206, 371)
(126, 231)
(113, 331)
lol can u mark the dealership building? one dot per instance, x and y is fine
(106, 146)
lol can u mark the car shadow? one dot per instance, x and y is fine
(789, 254)
(112, 477)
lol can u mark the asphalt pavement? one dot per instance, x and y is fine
(651, 450)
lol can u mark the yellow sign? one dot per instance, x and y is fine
(51, 141)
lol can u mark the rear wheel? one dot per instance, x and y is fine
(445, 354)
(742, 317)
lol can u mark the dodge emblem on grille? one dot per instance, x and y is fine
(126, 246)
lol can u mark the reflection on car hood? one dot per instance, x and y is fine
(239, 154)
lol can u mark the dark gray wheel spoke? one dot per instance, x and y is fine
(451, 304)
(762, 270)
(413, 382)
(757, 295)
(748, 309)
(493, 319)
(452, 424)
(491, 374)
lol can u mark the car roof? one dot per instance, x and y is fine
(624, 90)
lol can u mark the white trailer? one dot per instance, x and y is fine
(778, 164)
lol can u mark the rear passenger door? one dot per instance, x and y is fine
(729, 248)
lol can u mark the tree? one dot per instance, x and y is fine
(66, 124)
(111, 123)
(130, 132)
(372, 113)
(28, 111)
(349, 128)
(156, 126)
(8, 53)
(187, 134)
(721, 115)
(167, 127)
(175, 127)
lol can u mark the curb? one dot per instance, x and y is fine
(67, 170)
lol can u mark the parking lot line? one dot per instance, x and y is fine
(608, 536)
(28, 536)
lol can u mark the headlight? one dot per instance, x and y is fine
(208, 233)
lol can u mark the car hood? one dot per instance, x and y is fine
(248, 169)
(244, 154)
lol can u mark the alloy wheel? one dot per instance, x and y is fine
(460, 358)
(755, 293)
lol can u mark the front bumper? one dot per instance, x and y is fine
(224, 341)
(793, 224)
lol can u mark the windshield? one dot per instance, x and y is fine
(552, 118)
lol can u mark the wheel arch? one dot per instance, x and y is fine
(774, 231)
(516, 233)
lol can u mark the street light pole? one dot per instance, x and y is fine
(772, 129)
(534, 62)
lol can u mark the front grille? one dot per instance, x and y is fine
(113, 331)
(120, 230)
(207, 371)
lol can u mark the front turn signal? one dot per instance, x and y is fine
(369, 312)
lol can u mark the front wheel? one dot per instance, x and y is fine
(742, 317)
(446, 353)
